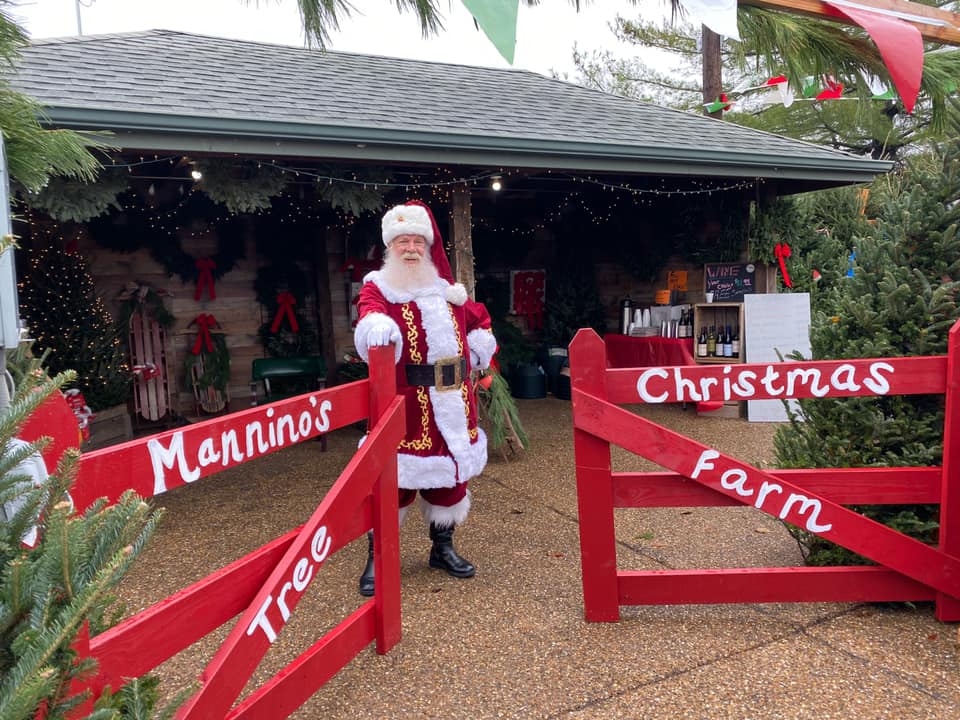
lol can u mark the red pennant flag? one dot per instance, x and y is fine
(833, 92)
(900, 45)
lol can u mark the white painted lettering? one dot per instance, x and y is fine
(744, 386)
(770, 377)
(255, 428)
(805, 504)
(766, 488)
(877, 382)
(302, 572)
(740, 477)
(645, 377)
(305, 423)
(320, 545)
(845, 378)
(260, 621)
(685, 386)
(806, 376)
(705, 385)
(703, 463)
(231, 447)
(207, 454)
(323, 423)
(163, 458)
(282, 600)
(287, 421)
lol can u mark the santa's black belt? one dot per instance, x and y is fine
(444, 374)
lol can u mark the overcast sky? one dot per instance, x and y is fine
(546, 33)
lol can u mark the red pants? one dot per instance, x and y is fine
(444, 497)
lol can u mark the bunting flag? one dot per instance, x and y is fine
(833, 91)
(780, 92)
(718, 15)
(498, 20)
(720, 104)
(900, 45)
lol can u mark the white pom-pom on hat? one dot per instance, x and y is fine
(407, 220)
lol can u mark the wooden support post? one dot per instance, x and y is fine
(461, 225)
(948, 608)
(712, 69)
(386, 526)
(598, 548)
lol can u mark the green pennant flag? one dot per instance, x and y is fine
(887, 95)
(498, 20)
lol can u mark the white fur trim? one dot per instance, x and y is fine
(456, 294)
(406, 220)
(416, 472)
(484, 344)
(422, 473)
(362, 332)
(393, 295)
(443, 516)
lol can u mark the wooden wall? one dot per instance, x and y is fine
(235, 307)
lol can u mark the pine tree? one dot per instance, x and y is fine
(900, 301)
(50, 591)
(68, 320)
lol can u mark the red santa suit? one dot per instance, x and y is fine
(443, 447)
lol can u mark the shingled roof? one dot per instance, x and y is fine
(165, 90)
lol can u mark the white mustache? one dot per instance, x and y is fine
(411, 256)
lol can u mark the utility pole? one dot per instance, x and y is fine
(712, 69)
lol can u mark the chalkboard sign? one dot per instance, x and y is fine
(729, 282)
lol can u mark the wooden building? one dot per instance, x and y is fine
(355, 132)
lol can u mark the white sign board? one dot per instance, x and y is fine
(774, 324)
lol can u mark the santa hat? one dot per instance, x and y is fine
(415, 218)
(411, 219)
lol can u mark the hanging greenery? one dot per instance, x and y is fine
(243, 186)
(69, 200)
(215, 365)
(146, 300)
(365, 194)
(133, 225)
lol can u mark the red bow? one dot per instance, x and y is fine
(782, 250)
(205, 267)
(203, 323)
(286, 301)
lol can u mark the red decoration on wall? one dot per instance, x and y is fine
(286, 301)
(80, 408)
(782, 251)
(205, 268)
(204, 324)
(529, 294)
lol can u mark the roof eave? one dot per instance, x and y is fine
(166, 132)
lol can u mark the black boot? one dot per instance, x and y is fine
(444, 557)
(366, 580)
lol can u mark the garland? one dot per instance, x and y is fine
(131, 226)
(65, 199)
(243, 186)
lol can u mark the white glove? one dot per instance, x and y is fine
(474, 360)
(382, 333)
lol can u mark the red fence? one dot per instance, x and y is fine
(812, 499)
(265, 586)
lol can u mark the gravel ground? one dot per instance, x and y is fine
(512, 643)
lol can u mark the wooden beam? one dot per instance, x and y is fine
(934, 24)
(461, 224)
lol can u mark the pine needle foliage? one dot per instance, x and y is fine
(499, 406)
(901, 300)
(51, 591)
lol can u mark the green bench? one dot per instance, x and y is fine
(273, 379)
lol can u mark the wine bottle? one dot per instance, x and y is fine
(702, 342)
(735, 343)
(728, 343)
(712, 342)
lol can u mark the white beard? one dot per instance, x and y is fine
(408, 278)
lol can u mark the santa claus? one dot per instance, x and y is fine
(439, 336)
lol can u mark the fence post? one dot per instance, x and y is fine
(386, 527)
(598, 548)
(948, 608)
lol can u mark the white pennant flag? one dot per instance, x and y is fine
(718, 15)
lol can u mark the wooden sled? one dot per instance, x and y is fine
(209, 400)
(148, 360)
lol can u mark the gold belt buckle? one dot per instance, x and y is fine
(438, 367)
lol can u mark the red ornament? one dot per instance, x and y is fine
(286, 301)
(205, 268)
